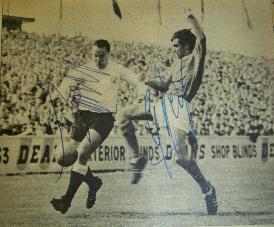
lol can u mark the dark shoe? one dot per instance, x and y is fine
(94, 185)
(61, 205)
(211, 201)
(136, 177)
(137, 168)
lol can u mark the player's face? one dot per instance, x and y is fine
(179, 49)
(100, 56)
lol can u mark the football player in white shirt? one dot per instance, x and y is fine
(178, 89)
(91, 90)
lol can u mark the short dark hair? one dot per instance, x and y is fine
(102, 43)
(186, 37)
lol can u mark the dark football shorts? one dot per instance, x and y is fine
(85, 120)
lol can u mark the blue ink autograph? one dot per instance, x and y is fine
(60, 129)
(78, 99)
(181, 103)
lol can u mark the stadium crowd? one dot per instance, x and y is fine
(236, 96)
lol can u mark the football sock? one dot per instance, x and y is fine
(89, 177)
(191, 167)
(75, 181)
(133, 143)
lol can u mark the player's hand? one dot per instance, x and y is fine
(156, 85)
(155, 93)
(150, 82)
(187, 13)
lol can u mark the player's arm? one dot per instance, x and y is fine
(196, 28)
(199, 54)
(132, 78)
(60, 92)
(200, 46)
(61, 95)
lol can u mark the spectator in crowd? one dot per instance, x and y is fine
(235, 98)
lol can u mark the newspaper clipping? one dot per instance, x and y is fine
(137, 113)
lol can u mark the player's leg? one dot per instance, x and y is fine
(124, 122)
(101, 125)
(79, 131)
(80, 172)
(188, 163)
(88, 145)
(128, 131)
(66, 152)
(125, 125)
(138, 161)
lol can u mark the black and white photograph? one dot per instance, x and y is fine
(137, 113)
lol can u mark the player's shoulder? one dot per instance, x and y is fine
(118, 67)
(122, 70)
(114, 67)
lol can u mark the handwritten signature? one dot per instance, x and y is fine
(92, 104)
(79, 99)
(167, 99)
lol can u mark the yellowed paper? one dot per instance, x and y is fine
(157, 130)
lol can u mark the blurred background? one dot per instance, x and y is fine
(235, 98)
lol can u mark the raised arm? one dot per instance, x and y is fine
(197, 29)
(199, 54)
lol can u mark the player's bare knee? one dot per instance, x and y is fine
(83, 158)
(86, 149)
(66, 153)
